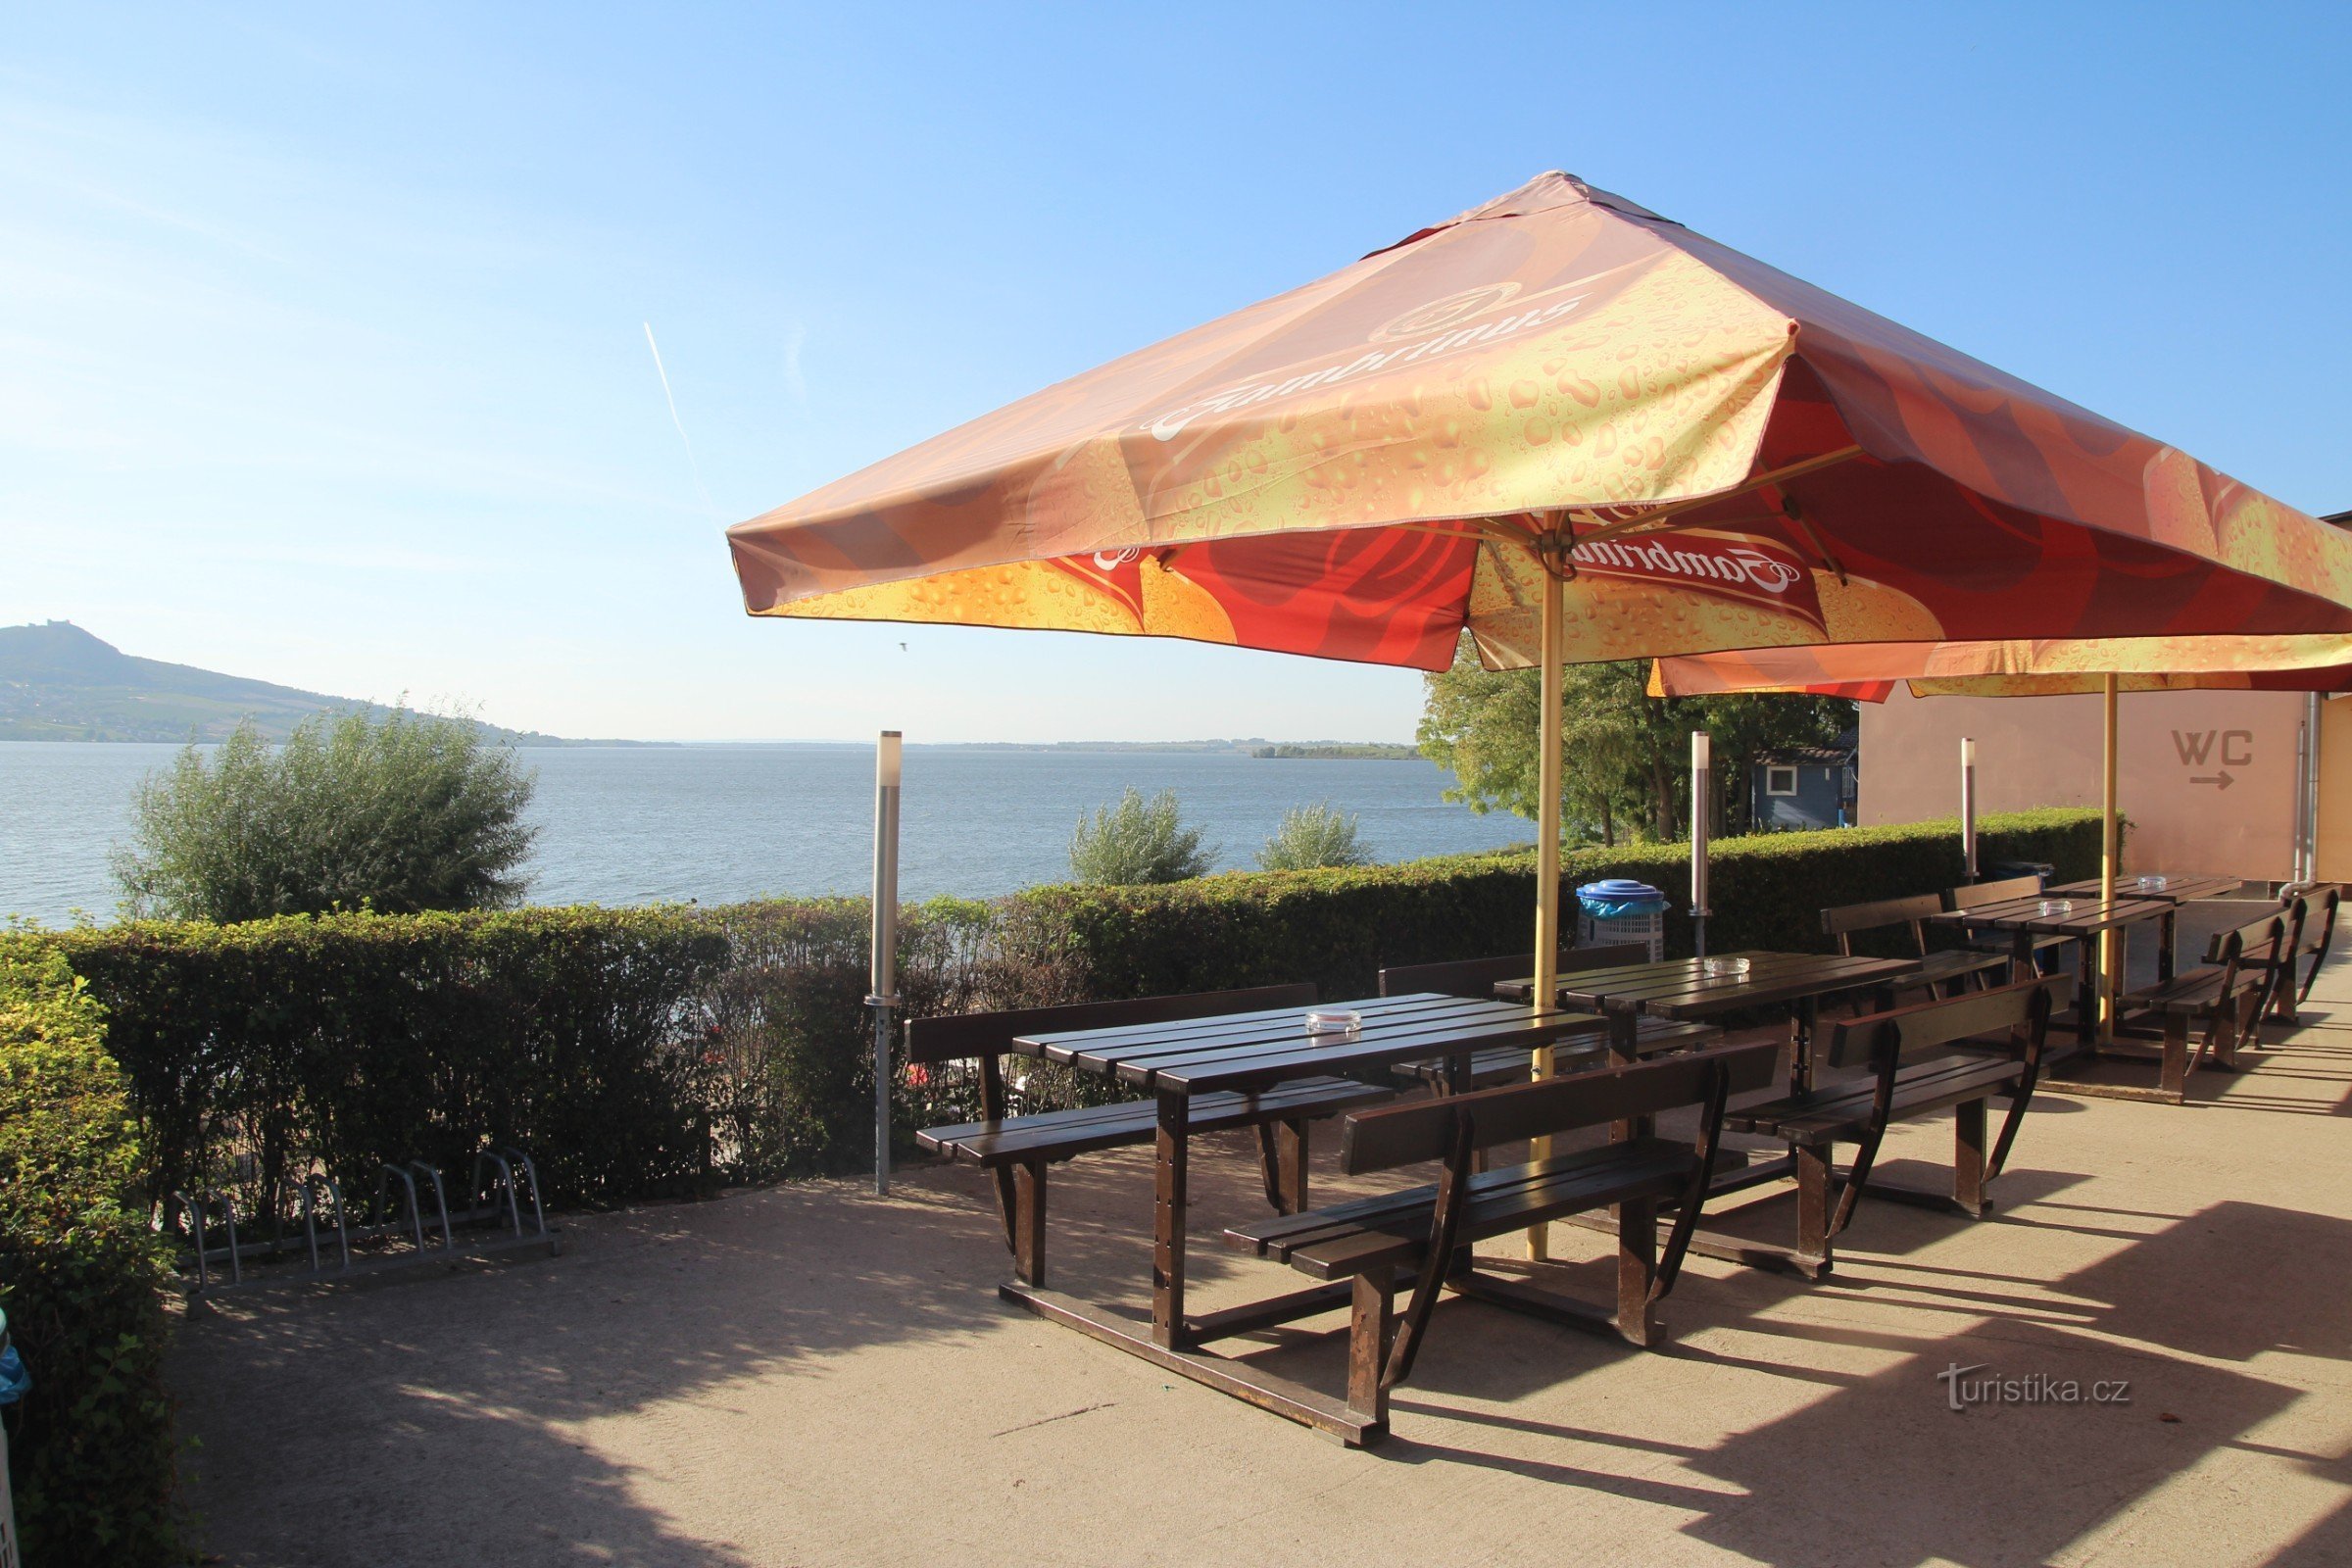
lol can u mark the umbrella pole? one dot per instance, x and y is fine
(2110, 942)
(1547, 850)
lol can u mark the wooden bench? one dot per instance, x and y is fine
(1978, 893)
(2306, 936)
(2226, 996)
(1955, 1051)
(1427, 1232)
(1016, 1150)
(1478, 977)
(1941, 973)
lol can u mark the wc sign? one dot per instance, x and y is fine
(2215, 751)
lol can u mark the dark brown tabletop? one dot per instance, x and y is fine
(1680, 988)
(1257, 1050)
(2175, 889)
(2090, 916)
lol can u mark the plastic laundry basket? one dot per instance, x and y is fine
(1619, 909)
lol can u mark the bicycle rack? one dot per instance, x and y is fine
(192, 1208)
(409, 1219)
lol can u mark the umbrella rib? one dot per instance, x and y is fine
(1655, 518)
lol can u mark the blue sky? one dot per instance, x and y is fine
(322, 350)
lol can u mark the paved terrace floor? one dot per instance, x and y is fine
(812, 1375)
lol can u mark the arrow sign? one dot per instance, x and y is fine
(2224, 779)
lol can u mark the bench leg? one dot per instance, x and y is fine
(1368, 1320)
(1029, 1222)
(2172, 1076)
(1813, 1209)
(1282, 1152)
(1637, 1271)
(1967, 1158)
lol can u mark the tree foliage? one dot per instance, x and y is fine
(1314, 837)
(1626, 772)
(401, 812)
(1138, 841)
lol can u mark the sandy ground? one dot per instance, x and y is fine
(814, 1375)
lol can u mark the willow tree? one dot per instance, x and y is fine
(396, 812)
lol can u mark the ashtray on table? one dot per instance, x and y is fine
(2057, 906)
(1336, 1021)
(1725, 968)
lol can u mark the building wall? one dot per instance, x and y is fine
(1820, 792)
(2173, 751)
(2335, 790)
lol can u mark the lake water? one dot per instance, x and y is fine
(632, 824)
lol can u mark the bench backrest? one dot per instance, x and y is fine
(988, 1034)
(1888, 1039)
(2250, 956)
(1846, 919)
(2322, 898)
(2258, 941)
(1478, 977)
(1427, 1129)
(1979, 894)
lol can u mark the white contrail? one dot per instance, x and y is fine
(695, 468)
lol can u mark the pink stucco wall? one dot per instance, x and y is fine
(2173, 751)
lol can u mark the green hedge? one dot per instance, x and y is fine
(1340, 928)
(81, 1277)
(257, 1052)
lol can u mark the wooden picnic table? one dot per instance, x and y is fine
(2090, 916)
(2178, 889)
(1248, 1053)
(1683, 989)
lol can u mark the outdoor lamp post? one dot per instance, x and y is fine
(1968, 805)
(1703, 798)
(884, 998)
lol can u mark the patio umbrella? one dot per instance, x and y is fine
(2049, 667)
(1572, 429)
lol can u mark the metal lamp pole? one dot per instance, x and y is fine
(884, 998)
(1968, 805)
(1702, 803)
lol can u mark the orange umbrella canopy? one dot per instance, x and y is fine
(1870, 671)
(1712, 453)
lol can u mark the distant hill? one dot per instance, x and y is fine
(60, 683)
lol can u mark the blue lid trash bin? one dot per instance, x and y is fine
(1619, 897)
(1620, 911)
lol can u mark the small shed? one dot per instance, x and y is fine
(1804, 786)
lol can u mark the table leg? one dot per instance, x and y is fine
(1623, 1051)
(2087, 995)
(1172, 1151)
(2167, 932)
(1803, 1018)
(2021, 957)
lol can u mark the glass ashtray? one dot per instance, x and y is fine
(1336, 1021)
(2057, 906)
(1725, 968)
(2154, 884)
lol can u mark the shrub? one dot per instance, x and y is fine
(1138, 841)
(80, 1279)
(258, 1052)
(794, 1089)
(1338, 928)
(1314, 838)
(407, 813)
